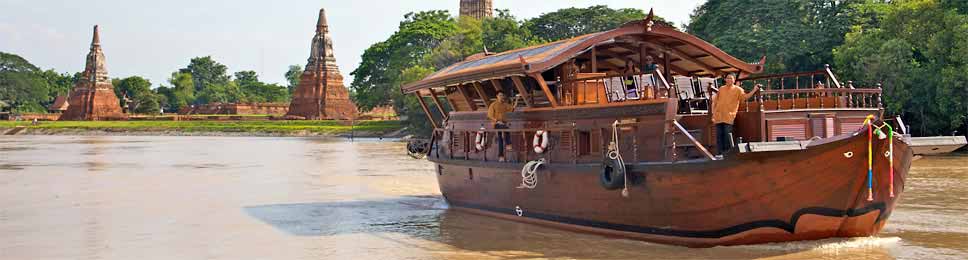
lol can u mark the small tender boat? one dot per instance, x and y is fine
(609, 142)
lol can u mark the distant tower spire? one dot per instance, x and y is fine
(321, 25)
(322, 46)
(96, 41)
(479, 9)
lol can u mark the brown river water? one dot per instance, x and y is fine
(105, 197)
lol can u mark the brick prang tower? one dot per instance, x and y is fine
(92, 97)
(321, 93)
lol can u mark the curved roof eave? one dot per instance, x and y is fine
(571, 48)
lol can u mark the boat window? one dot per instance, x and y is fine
(584, 143)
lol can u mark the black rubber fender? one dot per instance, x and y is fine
(612, 177)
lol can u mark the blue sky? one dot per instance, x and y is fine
(154, 38)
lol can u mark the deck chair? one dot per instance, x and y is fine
(646, 84)
(615, 89)
(684, 88)
(635, 92)
(703, 91)
(704, 86)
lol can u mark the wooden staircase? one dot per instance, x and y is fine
(679, 146)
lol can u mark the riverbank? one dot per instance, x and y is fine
(208, 128)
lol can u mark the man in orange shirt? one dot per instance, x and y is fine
(725, 104)
(495, 112)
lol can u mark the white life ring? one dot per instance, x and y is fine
(480, 139)
(540, 141)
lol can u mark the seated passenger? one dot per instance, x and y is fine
(820, 89)
(725, 105)
(495, 112)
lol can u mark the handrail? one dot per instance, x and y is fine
(784, 75)
(693, 139)
(825, 90)
(663, 79)
(832, 76)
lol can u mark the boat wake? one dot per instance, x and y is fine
(832, 245)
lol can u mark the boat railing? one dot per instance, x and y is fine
(807, 90)
(827, 98)
(600, 88)
(566, 143)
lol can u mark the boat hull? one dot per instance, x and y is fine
(814, 193)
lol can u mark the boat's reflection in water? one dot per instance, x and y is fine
(426, 225)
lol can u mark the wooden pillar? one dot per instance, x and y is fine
(426, 110)
(467, 98)
(643, 55)
(594, 60)
(521, 89)
(546, 89)
(666, 63)
(440, 107)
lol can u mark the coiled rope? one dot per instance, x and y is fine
(529, 174)
(614, 154)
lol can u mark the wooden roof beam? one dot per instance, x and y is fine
(443, 112)
(496, 83)
(546, 89)
(682, 55)
(522, 90)
(425, 109)
(482, 93)
(467, 97)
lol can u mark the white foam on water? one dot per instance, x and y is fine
(829, 245)
(861, 242)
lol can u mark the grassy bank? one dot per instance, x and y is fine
(254, 127)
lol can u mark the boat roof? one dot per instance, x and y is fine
(689, 55)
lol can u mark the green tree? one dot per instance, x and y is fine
(918, 49)
(504, 32)
(142, 98)
(376, 80)
(220, 93)
(21, 84)
(254, 90)
(571, 22)
(292, 77)
(181, 93)
(205, 71)
(794, 35)
(58, 84)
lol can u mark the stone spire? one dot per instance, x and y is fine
(95, 65)
(93, 95)
(322, 46)
(321, 93)
(479, 9)
(96, 42)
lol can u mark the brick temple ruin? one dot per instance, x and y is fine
(479, 9)
(321, 93)
(93, 95)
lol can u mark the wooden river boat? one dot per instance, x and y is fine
(810, 162)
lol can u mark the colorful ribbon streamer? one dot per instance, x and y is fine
(870, 155)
